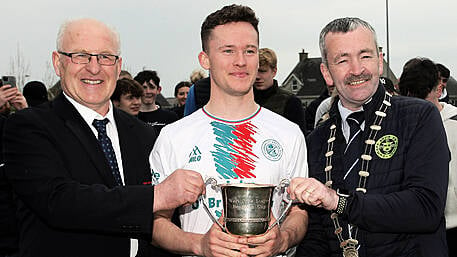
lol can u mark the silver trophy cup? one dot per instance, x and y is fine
(247, 207)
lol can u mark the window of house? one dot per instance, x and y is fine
(294, 85)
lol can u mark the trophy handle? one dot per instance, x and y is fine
(213, 182)
(284, 183)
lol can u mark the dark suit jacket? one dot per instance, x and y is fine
(68, 203)
(8, 229)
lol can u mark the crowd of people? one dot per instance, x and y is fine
(96, 166)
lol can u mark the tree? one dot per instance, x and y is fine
(50, 77)
(19, 67)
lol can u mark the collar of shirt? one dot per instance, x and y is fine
(344, 113)
(89, 115)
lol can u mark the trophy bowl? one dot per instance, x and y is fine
(247, 207)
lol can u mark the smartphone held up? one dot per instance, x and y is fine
(8, 80)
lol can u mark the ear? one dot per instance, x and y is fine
(275, 70)
(119, 67)
(159, 89)
(56, 62)
(326, 74)
(203, 58)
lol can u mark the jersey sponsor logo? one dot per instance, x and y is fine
(195, 155)
(212, 204)
(386, 146)
(272, 150)
(233, 154)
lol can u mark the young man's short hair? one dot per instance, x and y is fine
(419, 78)
(146, 76)
(228, 14)
(267, 57)
(444, 72)
(127, 86)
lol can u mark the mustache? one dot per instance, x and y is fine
(353, 78)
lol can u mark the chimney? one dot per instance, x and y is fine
(302, 56)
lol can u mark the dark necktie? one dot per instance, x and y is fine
(354, 146)
(107, 148)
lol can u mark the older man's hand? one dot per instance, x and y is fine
(313, 192)
(182, 187)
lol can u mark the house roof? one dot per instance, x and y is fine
(309, 73)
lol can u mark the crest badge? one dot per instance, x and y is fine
(272, 150)
(386, 146)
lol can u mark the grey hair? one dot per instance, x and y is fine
(63, 29)
(343, 25)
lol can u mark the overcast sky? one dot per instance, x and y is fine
(165, 35)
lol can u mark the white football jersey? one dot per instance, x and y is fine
(263, 148)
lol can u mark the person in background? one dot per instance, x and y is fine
(125, 75)
(311, 109)
(150, 112)
(268, 94)
(196, 75)
(181, 91)
(11, 99)
(79, 167)
(198, 94)
(127, 96)
(445, 74)
(378, 166)
(424, 80)
(35, 93)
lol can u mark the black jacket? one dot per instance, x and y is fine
(68, 202)
(8, 224)
(283, 103)
(311, 109)
(402, 213)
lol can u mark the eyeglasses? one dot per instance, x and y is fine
(84, 58)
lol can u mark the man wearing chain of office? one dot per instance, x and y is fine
(378, 166)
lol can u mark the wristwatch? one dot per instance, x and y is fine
(342, 201)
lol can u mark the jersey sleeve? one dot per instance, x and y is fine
(297, 164)
(160, 158)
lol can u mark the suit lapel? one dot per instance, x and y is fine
(125, 129)
(76, 124)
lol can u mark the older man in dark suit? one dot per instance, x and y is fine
(78, 166)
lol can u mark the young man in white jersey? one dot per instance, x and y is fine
(233, 140)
